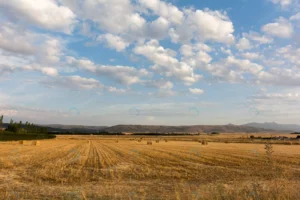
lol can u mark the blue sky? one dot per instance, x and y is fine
(108, 62)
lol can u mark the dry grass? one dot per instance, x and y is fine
(102, 169)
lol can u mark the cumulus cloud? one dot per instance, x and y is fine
(113, 41)
(243, 44)
(279, 76)
(290, 54)
(16, 40)
(256, 37)
(163, 9)
(251, 55)
(196, 91)
(26, 50)
(165, 63)
(284, 3)
(295, 17)
(122, 74)
(281, 28)
(77, 82)
(113, 16)
(203, 25)
(45, 14)
(160, 84)
(50, 71)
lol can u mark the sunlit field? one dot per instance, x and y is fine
(125, 167)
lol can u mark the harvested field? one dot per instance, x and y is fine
(98, 167)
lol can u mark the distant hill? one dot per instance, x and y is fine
(275, 126)
(230, 128)
(182, 129)
(69, 128)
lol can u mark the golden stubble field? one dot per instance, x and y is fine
(99, 167)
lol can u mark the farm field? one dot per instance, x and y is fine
(121, 167)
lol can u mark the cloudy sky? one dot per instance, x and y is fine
(180, 62)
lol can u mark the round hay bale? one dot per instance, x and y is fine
(149, 143)
(157, 141)
(36, 143)
(23, 142)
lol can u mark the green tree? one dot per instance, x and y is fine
(1, 121)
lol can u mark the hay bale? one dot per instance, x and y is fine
(204, 142)
(36, 143)
(117, 141)
(139, 140)
(166, 140)
(149, 143)
(23, 142)
(157, 141)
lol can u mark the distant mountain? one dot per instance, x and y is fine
(229, 128)
(69, 128)
(73, 128)
(275, 126)
(182, 129)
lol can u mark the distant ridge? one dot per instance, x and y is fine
(229, 128)
(275, 126)
(182, 129)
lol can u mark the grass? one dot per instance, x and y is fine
(181, 168)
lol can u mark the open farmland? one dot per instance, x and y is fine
(102, 167)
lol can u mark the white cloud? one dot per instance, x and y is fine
(6, 69)
(186, 50)
(196, 91)
(291, 54)
(243, 44)
(295, 17)
(203, 57)
(45, 14)
(50, 71)
(16, 40)
(203, 25)
(26, 50)
(160, 84)
(163, 9)
(113, 16)
(280, 76)
(165, 63)
(80, 83)
(113, 41)
(122, 74)
(226, 51)
(158, 29)
(244, 65)
(251, 55)
(283, 3)
(74, 82)
(281, 28)
(256, 37)
(51, 51)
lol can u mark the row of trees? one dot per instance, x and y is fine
(1, 121)
(19, 127)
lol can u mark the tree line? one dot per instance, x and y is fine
(19, 127)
